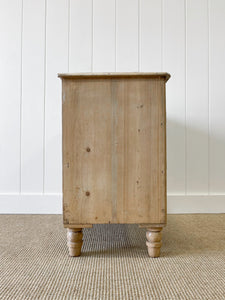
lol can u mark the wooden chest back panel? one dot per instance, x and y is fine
(114, 150)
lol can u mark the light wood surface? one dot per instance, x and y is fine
(154, 241)
(121, 75)
(74, 241)
(114, 149)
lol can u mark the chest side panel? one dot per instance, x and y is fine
(114, 151)
(141, 151)
(87, 174)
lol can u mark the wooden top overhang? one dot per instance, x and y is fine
(115, 75)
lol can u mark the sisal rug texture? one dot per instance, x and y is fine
(34, 261)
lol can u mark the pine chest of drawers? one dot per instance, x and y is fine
(114, 153)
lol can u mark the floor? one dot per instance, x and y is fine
(34, 262)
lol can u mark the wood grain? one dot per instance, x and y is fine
(74, 241)
(159, 75)
(114, 148)
(154, 241)
(87, 174)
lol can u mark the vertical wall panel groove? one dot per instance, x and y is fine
(21, 99)
(44, 108)
(209, 98)
(185, 137)
(115, 37)
(139, 33)
(68, 37)
(104, 36)
(174, 63)
(127, 35)
(56, 62)
(217, 91)
(162, 33)
(33, 95)
(197, 97)
(92, 35)
(150, 35)
(80, 52)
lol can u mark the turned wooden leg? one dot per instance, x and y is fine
(74, 241)
(154, 242)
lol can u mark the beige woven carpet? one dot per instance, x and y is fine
(34, 263)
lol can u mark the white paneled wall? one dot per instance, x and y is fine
(174, 60)
(39, 39)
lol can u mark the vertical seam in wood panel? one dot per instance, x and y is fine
(68, 67)
(44, 108)
(115, 35)
(158, 150)
(114, 151)
(139, 34)
(162, 32)
(21, 98)
(125, 153)
(92, 35)
(209, 100)
(185, 148)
